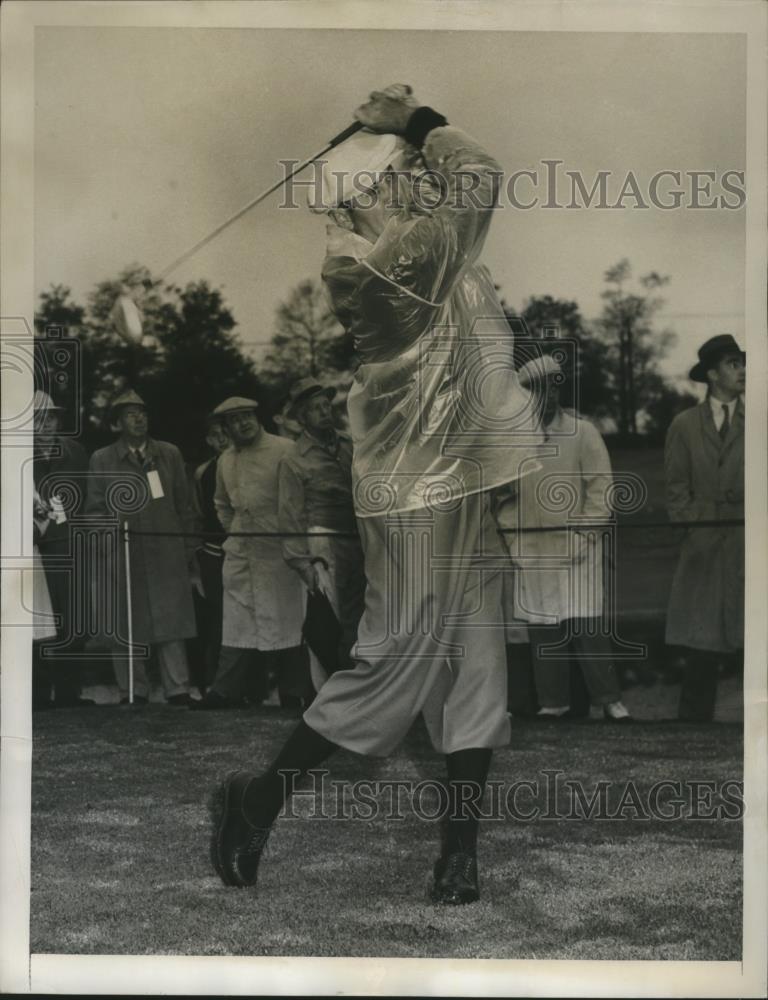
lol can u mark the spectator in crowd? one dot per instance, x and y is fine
(263, 598)
(315, 496)
(704, 470)
(560, 572)
(210, 554)
(43, 626)
(163, 569)
(59, 464)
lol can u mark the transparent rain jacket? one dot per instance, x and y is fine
(436, 410)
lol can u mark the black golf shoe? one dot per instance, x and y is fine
(236, 846)
(455, 879)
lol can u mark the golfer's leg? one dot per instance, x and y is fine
(400, 651)
(174, 667)
(245, 806)
(265, 795)
(467, 772)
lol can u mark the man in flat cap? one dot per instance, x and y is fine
(162, 567)
(436, 414)
(315, 496)
(704, 471)
(59, 463)
(560, 573)
(263, 598)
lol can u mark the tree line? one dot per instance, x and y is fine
(191, 355)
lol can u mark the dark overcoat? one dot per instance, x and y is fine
(705, 482)
(161, 595)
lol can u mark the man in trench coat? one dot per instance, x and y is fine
(704, 471)
(162, 567)
(263, 598)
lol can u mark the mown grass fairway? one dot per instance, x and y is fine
(120, 841)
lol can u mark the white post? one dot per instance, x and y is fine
(126, 542)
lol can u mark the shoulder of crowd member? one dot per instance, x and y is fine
(290, 458)
(102, 455)
(171, 453)
(280, 443)
(586, 424)
(167, 447)
(684, 419)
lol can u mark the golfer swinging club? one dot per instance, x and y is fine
(438, 420)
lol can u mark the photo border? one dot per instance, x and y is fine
(21, 972)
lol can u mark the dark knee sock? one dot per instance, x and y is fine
(266, 795)
(467, 775)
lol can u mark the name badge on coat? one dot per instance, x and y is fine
(155, 486)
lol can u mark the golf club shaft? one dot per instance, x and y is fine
(350, 130)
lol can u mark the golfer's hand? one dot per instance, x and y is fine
(383, 113)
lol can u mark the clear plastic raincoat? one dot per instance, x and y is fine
(436, 410)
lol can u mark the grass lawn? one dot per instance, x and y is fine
(120, 841)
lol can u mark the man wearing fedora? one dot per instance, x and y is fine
(58, 462)
(162, 566)
(315, 497)
(263, 607)
(559, 577)
(704, 472)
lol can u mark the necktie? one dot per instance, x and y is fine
(726, 424)
(139, 456)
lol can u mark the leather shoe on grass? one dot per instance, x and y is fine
(236, 846)
(455, 880)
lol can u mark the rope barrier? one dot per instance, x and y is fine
(580, 526)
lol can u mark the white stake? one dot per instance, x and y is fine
(126, 542)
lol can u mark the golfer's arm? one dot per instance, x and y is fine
(469, 175)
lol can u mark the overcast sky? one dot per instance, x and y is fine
(147, 138)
